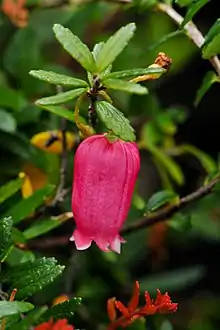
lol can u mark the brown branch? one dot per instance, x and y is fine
(162, 215)
(166, 212)
(191, 30)
(60, 193)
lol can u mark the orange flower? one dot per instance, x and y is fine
(16, 12)
(58, 325)
(162, 305)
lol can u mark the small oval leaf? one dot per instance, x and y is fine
(161, 198)
(75, 47)
(125, 86)
(134, 73)
(114, 46)
(57, 79)
(61, 97)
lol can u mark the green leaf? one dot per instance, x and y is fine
(5, 236)
(29, 320)
(8, 308)
(177, 279)
(58, 79)
(184, 3)
(134, 73)
(209, 79)
(114, 46)
(59, 111)
(206, 161)
(64, 310)
(171, 166)
(10, 189)
(61, 97)
(75, 47)
(163, 39)
(31, 277)
(180, 222)
(166, 123)
(27, 206)
(211, 44)
(125, 86)
(7, 122)
(41, 227)
(11, 99)
(192, 10)
(96, 50)
(18, 256)
(161, 198)
(115, 120)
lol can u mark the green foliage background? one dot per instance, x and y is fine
(177, 128)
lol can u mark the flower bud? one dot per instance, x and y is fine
(104, 178)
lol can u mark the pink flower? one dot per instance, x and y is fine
(104, 178)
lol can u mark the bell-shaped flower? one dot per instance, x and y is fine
(105, 173)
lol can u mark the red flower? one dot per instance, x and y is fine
(58, 325)
(162, 305)
(104, 178)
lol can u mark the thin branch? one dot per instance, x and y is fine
(166, 212)
(60, 193)
(162, 215)
(191, 30)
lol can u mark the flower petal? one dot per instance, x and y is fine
(82, 242)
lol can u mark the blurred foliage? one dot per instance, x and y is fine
(179, 255)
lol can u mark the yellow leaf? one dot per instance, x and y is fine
(51, 141)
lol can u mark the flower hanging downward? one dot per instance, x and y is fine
(162, 304)
(104, 178)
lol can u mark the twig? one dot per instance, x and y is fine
(166, 212)
(64, 161)
(191, 30)
(162, 215)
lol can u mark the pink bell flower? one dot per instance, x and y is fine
(104, 178)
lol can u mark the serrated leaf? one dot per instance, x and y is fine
(64, 310)
(27, 206)
(41, 227)
(10, 189)
(209, 79)
(115, 120)
(75, 47)
(30, 277)
(61, 97)
(125, 86)
(134, 73)
(211, 44)
(8, 308)
(171, 166)
(192, 10)
(57, 79)
(114, 46)
(5, 236)
(206, 161)
(161, 198)
(29, 320)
